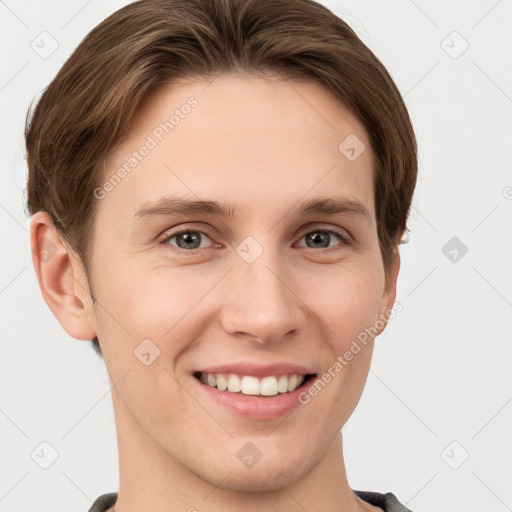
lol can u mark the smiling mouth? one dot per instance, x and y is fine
(270, 385)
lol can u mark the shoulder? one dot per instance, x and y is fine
(388, 502)
(104, 502)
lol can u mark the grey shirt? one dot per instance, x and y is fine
(388, 502)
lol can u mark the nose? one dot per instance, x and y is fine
(260, 303)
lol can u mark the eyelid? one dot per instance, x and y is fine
(328, 227)
(167, 235)
(345, 237)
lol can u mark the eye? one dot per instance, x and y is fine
(324, 236)
(186, 239)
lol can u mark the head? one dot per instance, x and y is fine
(297, 148)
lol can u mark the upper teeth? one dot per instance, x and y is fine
(249, 385)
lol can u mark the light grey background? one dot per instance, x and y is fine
(440, 388)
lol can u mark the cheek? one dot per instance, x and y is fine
(158, 302)
(348, 303)
(346, 300)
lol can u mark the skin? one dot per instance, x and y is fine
(250, 141)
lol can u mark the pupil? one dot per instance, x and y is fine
(189, 238)
(318, 236)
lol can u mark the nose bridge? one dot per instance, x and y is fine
(260, 301)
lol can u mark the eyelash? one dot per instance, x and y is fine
(345, 240)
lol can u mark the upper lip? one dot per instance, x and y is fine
(259, 370)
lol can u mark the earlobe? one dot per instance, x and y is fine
(61, 278)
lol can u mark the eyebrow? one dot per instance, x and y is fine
(171, 205)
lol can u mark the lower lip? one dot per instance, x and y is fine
(255, 406)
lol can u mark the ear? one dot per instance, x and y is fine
(389, 294)
(61, 279)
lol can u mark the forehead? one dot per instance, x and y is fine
(243, 140)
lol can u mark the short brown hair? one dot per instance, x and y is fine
(86, 110)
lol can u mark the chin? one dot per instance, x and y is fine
(266, 475)
(264, 479)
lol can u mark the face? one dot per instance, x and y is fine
(264, 286)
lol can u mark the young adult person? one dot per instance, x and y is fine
(219, 189)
